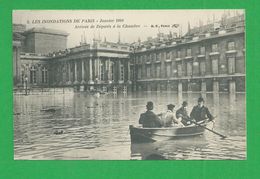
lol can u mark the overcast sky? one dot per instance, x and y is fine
(144, 18)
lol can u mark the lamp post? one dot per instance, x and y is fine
(26, 81)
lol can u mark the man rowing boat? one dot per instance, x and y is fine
(200, 112)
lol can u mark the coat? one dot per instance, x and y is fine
(149, 119)
(200, 113)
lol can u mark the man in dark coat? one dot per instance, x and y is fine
(149, 118)
(200, 112)
(183, 114)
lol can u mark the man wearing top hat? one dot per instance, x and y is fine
(200, 112)
(182, 114)
(149, 118)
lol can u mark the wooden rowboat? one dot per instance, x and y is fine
(140, 134)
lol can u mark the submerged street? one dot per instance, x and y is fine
(80, 126)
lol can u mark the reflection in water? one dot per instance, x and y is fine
(86, 127)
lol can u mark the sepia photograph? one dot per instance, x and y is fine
(129, 84)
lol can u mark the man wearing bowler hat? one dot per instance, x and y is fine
(149, 118)
(182, 114)
(200, 112)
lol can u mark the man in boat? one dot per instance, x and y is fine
(200, 112)
(168, 118)
(149, 118)
(182, 114)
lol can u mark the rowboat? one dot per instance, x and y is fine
(140, 134)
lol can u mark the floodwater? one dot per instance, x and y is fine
(82, 127)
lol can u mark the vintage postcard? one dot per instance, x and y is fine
(129, 84)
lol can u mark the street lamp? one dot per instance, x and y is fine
(26, 81)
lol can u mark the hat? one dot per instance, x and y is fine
(200, 99)
(184, 103)
(149, 105)
(170, 106)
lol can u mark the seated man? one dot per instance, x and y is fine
(149, 118)
(182, 114)
(169, 119)
(200, 112)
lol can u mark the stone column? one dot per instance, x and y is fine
(203, 86)
(128, 72)
(69, 73)
(83, 72)
(232, 86)
(90, 72)
(119, 72)
(76, 73)
(109, 71)
(149, 88)
(179, 87)
(215, 86)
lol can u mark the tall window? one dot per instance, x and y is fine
(168, 70)
(44, 75)
(157, 57)
(202, 68)
(178, 54)
(122, 73)
(231, 65)
(158, 71)
(33, 75)
(214, 48)
(139, 73)
(148, 71)
(202, 50)
(188, 52)
(189, 68)
(215, 66)
(168, 55)
(231, 45)
(179, 70)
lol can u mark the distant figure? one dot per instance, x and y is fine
(97, 94)
(182, 114)
(149, 118)
(200, 112)
(168, 118)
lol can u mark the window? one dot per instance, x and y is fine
(168, 55)
(214, 47)
(157, 57)
(158, 71)
(231, 65)
(215, 66)
(179, 70)
(202, 50)
(188, 52)
(139, 73)
(189, 68)
(122, 73)
(33, 75)
(202, 68)
(231, 45)
(153, 57)
(44, 75)
(168, 70)
(178, 54)
(148, 71)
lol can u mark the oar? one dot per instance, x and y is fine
(223, 136)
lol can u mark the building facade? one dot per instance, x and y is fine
(208, 58)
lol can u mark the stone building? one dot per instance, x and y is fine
(207, 58)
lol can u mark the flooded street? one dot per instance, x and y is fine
(82, 127)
